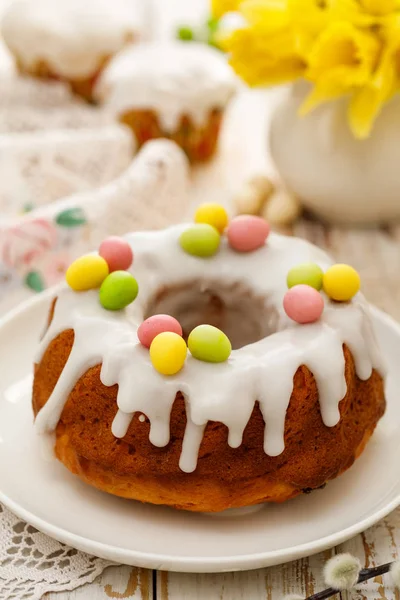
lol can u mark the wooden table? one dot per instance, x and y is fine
(376, 254)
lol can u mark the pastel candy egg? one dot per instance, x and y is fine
(118, 290)
(155, 325)
(307, 273)
(209, 344)
(212, 214)
(87, 272)
(168, 353)
(117, 253)
(341, 282)
(201, 240)
(303, 304)
(247, 233)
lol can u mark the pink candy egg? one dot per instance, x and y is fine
(117, 253)
(247, 233)
(155, 325)
(303, 304)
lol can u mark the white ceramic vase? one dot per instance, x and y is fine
(337, 177)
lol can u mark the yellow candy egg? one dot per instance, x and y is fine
(341, 282)
(87, 272)
(168, 353)
(212, 214)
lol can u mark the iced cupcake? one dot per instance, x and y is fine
(69, 40)
(170, 89)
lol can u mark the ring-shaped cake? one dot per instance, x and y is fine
(292, 407)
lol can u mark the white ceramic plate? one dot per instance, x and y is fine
(46, 495)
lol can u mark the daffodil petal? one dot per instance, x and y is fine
(325, 91)
(308, 16)
(342, 44)
(379, 7)
(363, 13)
(221, 7)
(364, 107)
(265, 15)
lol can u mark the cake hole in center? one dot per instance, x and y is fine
(244, 317)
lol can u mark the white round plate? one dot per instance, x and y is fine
(46, 495)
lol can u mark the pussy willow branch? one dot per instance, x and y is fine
(365, 574)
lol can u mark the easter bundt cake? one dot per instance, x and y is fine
(137, 380)
(170, 89)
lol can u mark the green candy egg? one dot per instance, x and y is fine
(306, 273)
(209, 344)
(118, 290)
(201, 239)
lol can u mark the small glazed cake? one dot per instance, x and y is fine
(170, 89)
(137, 380)
(69, 40)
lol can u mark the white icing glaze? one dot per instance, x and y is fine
(171, 78)
(70, 36)
(223, 392)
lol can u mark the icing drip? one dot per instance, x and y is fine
(191, 446)
(225, 392)
(171, 78)
(72, 37)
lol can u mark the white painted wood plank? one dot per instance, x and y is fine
(301, 577)
(119, 582)
(376, 546)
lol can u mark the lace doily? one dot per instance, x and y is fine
(39, 168)
(32, 105)
(32, 564)
(26, 91)
(22, 119)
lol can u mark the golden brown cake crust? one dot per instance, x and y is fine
(199, 143)
(225, 477)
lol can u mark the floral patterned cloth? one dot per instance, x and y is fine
(68, 180)
(36, 249)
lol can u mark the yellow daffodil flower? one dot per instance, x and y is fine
(264, 52)
(263, 60)
(342, 59)
(342, 47)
